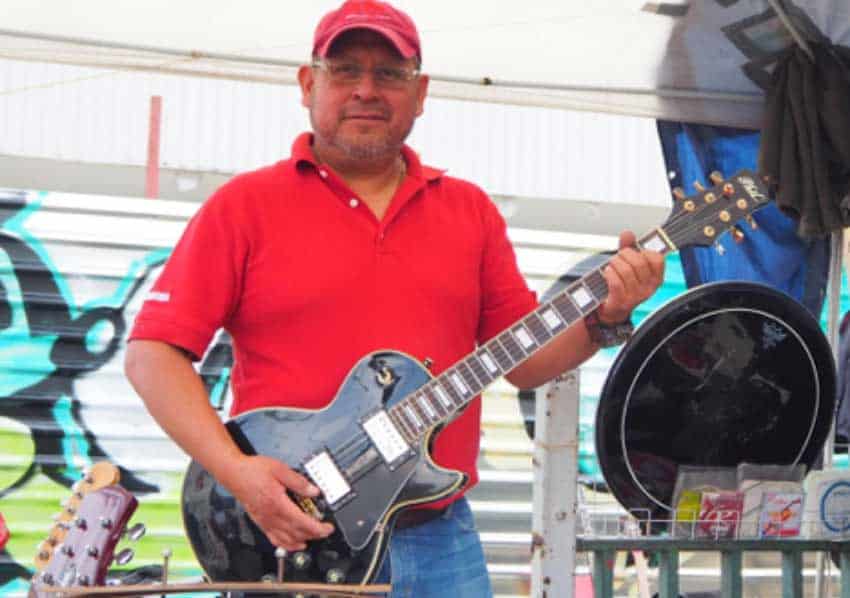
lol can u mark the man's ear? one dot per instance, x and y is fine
(306, 82)
(421, 93)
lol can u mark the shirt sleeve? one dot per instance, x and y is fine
(198, 289)
(505, 296)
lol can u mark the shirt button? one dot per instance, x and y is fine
(323, 174)
(353, 202)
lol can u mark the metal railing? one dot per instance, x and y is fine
(731, 552)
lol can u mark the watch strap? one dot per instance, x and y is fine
(607, 335)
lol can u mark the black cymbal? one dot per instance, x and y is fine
(726, 373)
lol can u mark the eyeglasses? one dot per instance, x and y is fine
(349, 73)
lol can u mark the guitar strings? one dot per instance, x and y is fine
(680, 223)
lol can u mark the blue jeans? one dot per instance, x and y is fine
(440, 558)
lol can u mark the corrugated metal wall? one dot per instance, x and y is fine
(74, 269)
(98, 115)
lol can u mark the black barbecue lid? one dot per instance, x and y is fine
(725, 373)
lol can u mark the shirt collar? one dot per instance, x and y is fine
(302, 155)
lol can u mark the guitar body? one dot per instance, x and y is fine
(229, 546)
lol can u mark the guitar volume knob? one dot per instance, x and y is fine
(92, 551)
(301, 560)
(335, 575)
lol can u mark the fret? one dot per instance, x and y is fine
(551, 318)
(396, 420)
(523, 337)
(479, 369)
(582, 297)
(485, 357)
(401, 419)
(438, 406)
(426, 406)
(566, 308)
(469, 375)
(443, 396)
(411, 412)
(512, 346)
(450, 390)
(502, 358)
(596, 284)
(418, 411)
(537, 328)
(459, 383)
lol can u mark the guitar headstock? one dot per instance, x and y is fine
(80, 546)
(701, 218)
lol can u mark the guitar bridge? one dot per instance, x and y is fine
(308, 505)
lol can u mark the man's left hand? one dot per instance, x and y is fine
(632, 275)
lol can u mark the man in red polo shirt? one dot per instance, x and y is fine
(348, 247)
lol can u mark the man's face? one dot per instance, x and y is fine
(369, 118)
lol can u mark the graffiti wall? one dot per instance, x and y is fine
(72, 272)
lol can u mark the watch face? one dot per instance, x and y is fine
(727, 373)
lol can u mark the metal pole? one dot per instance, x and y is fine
(555, 465)
(486, 81)
(154, 127)
(832, 324)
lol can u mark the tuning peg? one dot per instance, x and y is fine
(716, 177)
(718, 247)
(752, 222)
(728, 189)
(699, 186)
(679, 193)
(737, 234)
(125, 556)
(136, 532)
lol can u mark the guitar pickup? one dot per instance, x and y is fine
(386, 438)
(325, 474)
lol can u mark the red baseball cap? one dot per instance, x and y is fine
(378, 16)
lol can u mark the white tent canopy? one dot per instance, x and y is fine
(670, 60)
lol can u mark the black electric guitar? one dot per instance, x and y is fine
(368, 450)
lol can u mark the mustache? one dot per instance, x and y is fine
(380, 111)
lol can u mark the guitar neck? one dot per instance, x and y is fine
(438, 401)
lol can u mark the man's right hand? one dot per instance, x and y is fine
(260, 483)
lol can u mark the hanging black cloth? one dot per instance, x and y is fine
(805, 144)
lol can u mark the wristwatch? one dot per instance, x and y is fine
(608, 335)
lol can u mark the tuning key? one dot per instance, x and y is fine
(125, 556)
(136, 532)
(679, 193)
(737, 234)
(718, 247)
(716, 177)
(752, 222)
(699, 186)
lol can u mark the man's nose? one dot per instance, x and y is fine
(366, 87)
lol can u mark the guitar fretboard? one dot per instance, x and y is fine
(438, 400)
